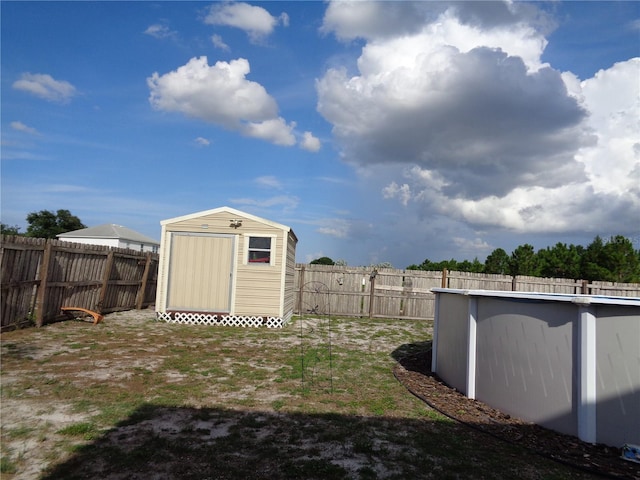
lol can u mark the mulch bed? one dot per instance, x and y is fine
(414, 372)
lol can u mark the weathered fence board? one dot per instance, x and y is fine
(335, 290)
(19, 279)
(39, 276)
(391, 293)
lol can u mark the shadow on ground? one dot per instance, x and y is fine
(191, 443)
(160, 441)
(164, 442)
(415, 357)
(18, 350)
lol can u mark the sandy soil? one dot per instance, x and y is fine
(24, 411)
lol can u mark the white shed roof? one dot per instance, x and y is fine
(232, 211)
(109, 230)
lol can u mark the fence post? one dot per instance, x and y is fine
(143, 283)
(514, 284)
(444, 282)
(372, 279)
(585, 287)
(105, 281)
(42, 285)
(300, 289)
(585, 357)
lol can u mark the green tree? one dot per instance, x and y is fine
(46, 224)
(523, 261)
(497, 262)
(322, 261)
(451, 265)
(621, 261)
(560, 261)
(422, 266)
(7, 230)
(592, 261)
(429, 266)
(477, 266)
(466, 266)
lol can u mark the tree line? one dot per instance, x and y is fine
(46, 224)
(613, 260)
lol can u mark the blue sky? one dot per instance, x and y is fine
(379, 131)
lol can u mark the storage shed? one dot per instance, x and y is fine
(226, 267)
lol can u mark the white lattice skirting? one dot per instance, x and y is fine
(192, 318)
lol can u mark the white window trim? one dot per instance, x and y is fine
(272, 253)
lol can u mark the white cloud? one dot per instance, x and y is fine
(403, 192)
(468, 115)
(21, 127)
(269, 181)
(8, 154)
(257, 22)
(46, 87)
(349, 20)
(612, 97)
(221, 94)
(287, 202)
(203, 142)
(219, 43)
(344, 228)
(458, 118)
(334, 227)
(273, 130)
(464, 25)
(65, 188)
(160, 31)
(283, 18)
(471, 245)
(310, 143)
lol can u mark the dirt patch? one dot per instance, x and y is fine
(414, 372)
(56, 379)
(135, 398)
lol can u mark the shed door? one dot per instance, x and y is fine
(200, 272)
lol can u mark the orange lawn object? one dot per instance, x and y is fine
(97, 318)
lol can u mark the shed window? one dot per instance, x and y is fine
(259, 250)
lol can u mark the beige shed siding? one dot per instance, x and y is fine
(258, 286)
(289, 294)
(217, 222)
(257, 289)
(163, 272)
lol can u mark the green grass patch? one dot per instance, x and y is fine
(86, 430)
(314, 401)
(20, 432)
(7, 466)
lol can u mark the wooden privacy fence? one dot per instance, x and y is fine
(392, 293)
(39, 276)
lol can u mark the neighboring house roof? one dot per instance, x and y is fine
(109, 230)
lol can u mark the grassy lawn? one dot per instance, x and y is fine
(135, 398)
